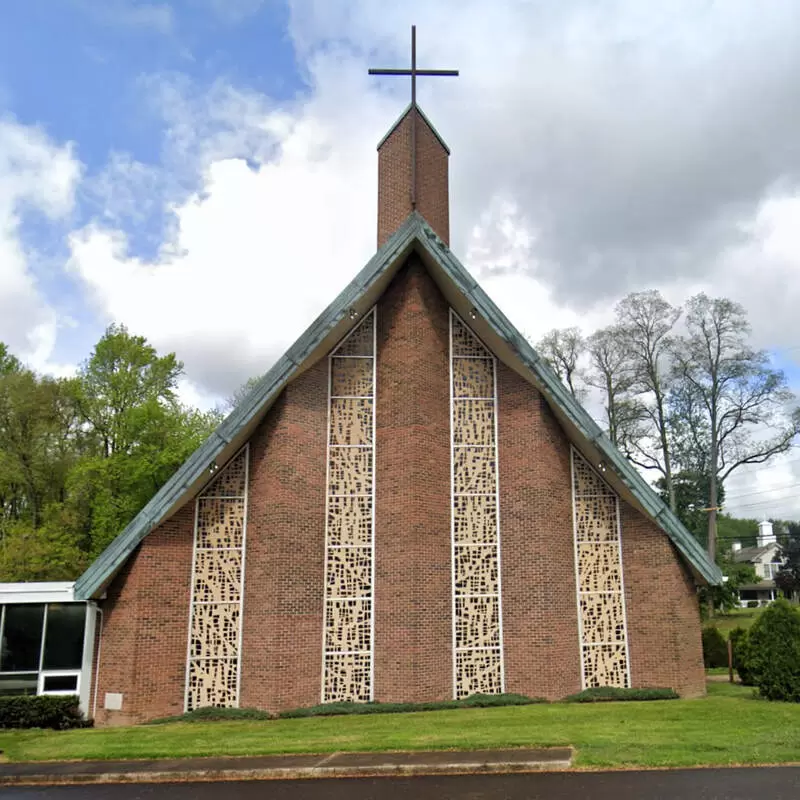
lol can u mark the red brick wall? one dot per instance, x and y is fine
(284, 571)
(540, 624)
(145, 626)
(413, 629)
(146, 613)
(661, 608)
(394, 180)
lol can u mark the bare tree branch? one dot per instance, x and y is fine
(740, 393)
(563, 347)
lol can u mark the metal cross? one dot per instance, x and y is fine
(413, 72)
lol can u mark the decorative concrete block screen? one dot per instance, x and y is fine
(477, 618)
(212, 677)
(349, 565)
(598, 566)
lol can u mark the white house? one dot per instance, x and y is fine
(766, 559)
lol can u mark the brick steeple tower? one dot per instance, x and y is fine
(413, 163)
(400, 191)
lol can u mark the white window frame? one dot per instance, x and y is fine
(59, 673)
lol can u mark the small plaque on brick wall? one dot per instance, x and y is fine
(113, 701)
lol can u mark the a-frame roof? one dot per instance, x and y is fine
(466, 297)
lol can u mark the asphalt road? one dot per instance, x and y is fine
(779, 783)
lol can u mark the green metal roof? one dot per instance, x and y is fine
(329, 327)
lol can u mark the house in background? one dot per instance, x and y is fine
(766, 559)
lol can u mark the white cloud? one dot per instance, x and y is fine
(764, 492)
(501, 249)
(257, 254)
(37, 176)
(594, 153)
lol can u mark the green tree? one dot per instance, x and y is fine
(128, 398)
(47, 553)
(788, 579)
(8, 362)
(732, 529)
(80, 457)
(123, 385)
(38, 434)
(691, 500)
(725, 597)
(771, 655)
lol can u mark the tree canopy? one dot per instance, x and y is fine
(79, 457)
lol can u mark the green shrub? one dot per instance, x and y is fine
(735, 637)
(752, 603)
(41, 711)
(473, 701)
(214, 713)
(601, 694)
(770, 653)
(715, 648)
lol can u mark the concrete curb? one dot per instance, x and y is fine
(383, 765)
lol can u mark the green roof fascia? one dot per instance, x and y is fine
(102, 570)
(427, 122)
(558, 394)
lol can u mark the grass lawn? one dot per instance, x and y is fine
(741, 618)
(729, 726)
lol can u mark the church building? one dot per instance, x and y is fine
(409, 506)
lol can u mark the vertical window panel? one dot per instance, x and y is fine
(598, 573)
(63, 641)
(213, 665)
(477, 606)
(22, 638)
(348, 622)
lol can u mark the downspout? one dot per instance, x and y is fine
(97, 665)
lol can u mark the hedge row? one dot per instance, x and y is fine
(611, 693)
(473, 701)
(41, 711)
(214, 714)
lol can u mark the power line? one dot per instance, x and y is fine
(762, 491)
(764, 502)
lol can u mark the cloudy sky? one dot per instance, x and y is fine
(204, 171)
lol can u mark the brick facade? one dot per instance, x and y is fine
(282, 633)
(540, 622)
(413, 630)
(144, 628)
(394, 180)
(661, 608)
(144, 635)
